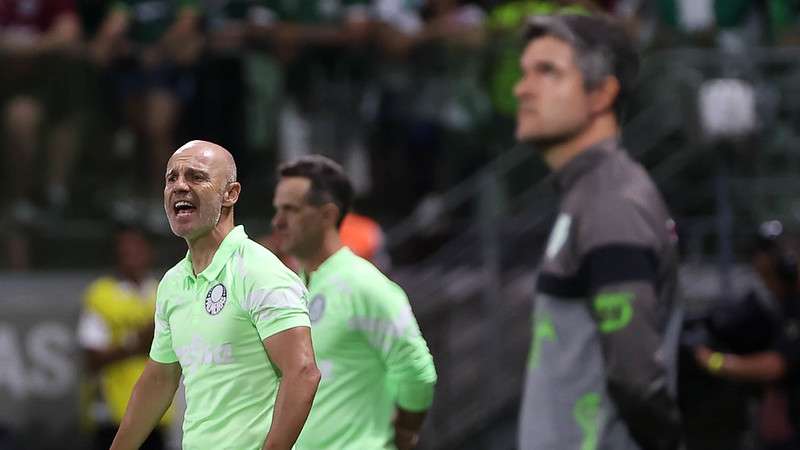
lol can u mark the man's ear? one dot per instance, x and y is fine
(330, 213)
(231, 194)
(603, 96)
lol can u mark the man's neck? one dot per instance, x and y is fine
(560, 154)
(330, 245)
(203, 248)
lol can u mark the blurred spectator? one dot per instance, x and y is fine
(733, 25)
(761, 339)
(432, 98)
(221, 95)
(115, 332)
(322, 47)
(150, 47)
(451, 107)
(39, 40)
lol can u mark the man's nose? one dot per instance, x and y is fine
(277, 221)
(521, 89)
(180, 184)
(526, 86)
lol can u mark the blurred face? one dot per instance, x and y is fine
(196, 181)
(553, 102)
(298, 224)
(134, 254)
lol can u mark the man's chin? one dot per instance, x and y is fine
(530, 137)
(543, 142)
(182, 231)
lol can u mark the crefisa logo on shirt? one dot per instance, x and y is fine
(216, 298)
(316, 308)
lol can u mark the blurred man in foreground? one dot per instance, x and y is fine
(377, 372)
(601, 366)
(229, 317)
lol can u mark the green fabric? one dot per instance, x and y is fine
(586, 414)
(509, 16)
(218, 340)
(263, 76)
(543, 330)
(783, 15)
(668, 12)
(150, 19)
(731, 13)
(370, 352)
(614, 310)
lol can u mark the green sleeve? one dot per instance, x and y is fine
(393, 331)
(275, 309)
(161, 349)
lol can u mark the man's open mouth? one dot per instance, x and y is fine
(183, 208)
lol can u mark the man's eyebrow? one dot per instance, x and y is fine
(197, 170)
(540, 64)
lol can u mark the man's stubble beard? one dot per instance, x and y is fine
(543, 144)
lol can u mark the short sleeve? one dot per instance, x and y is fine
(276, 309)
(162, 350)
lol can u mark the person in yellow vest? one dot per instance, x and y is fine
(115, 331)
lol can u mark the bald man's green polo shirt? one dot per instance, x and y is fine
(371, 354)
(213, 324)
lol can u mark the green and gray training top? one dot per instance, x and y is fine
(601, 367)
(213, 324)
(371, 355)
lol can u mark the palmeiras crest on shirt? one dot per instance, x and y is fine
(216, 298)
(316, 308)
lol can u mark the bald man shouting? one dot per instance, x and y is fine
(230, 318)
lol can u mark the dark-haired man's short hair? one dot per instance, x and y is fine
(329, 183)
(601, 45)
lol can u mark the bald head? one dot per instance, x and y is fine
(216, 156)
(200, 189)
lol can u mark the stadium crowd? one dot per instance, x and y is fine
(414, 94)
